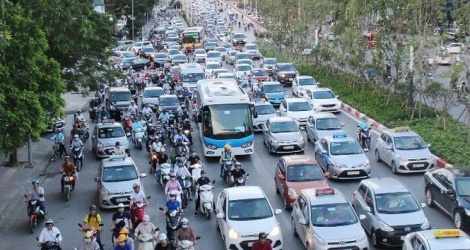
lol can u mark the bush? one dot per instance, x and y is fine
(240, 5)
(387, 108)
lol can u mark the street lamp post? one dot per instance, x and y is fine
(111, 20)
(132, 18)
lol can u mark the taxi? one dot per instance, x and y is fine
(324, 219)
(437, 239)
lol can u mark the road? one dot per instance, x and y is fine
(260, 166)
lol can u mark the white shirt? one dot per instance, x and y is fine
(47, 235)
(140, 196)
(119, 151)
(34, 194)
(133, 109)
(147, 110)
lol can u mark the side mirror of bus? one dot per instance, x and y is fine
(255, 114)
(199, 119)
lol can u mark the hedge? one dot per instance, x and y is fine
(449, 144)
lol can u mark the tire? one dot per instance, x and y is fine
(377, 156)
(32, 224)
(429, 198)
(375, 242)
(293, 227)
(275, 186)
(394, 168)
(368, 144)
(308, 137)
(458, 220)
(208, 214)
(67, 194)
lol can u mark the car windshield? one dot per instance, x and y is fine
(328, 124)
(273, 88)
(323, 95)
(333, 215)
(119, 173)
(307, 82)
(173, 52)
(221, 49)
(251, 47)
(396, 203)
(169, 101)
(259, 72)
(127, 54)
(161, 56)
(211, 44)
(463, 186)
(250, 209)
(299, 106)
(111, 132)
(120, 96)
(287, 67)
(148, 50)
(213, 66)
(191, 77)
(243, 68)
(213, 54)
(265, 109)
(232, 52)
(200, 52)
(345, 148)
(284, 127)
(128, 60)
(238, 35)
(180, 58)
(243, 56)
(270, 61)
(171, 39)
(304, 172)
(152, 93)
(409, 143)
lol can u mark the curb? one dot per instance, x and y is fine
(379, 127)
(83, 108)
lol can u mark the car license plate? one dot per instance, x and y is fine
(290, 78)
(121, 200)
(402, 237)
(250, 244)
(418, 165)
(353, 172)
(288, 147)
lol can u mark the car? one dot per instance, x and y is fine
(242, 213)
(391, 211)
(117, 101)
(294, 173)
(274, 92)
(54, 122)
(170, 103)
(150, 95)
(323, 100)
(221, 37)
(223, 51)
(404, 151)
(444, 58)
(173, 52)
(239, 39)
(176, 46)
(171, 40)
(322, 124)
(231, 57)
(179, 59)
(136, 63)
(285, 73)
(117, 57)
(455, 48)
(244, 61)
(210, 66)
(342, 156)
(149, 52)
(139, 45)
(214, 57)
(160, 59)
(269, 64)
(104, 138)
(449, 190)
(243, 69)
(216, 72)
(200, 55)
(264, 111)
(243, 55)
(227, 46)
(436, 239)
(283, 135)
(253, 50)
(210, 46)
(297, 108)
(322, 217)
(301, 83)
(124, 42)
(116, 177)
(260, 74)
(227, 76)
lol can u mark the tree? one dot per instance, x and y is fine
(31, 86)
(141, 8)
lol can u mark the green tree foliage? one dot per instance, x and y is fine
(141, 7)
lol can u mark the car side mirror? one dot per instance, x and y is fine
(278, 112)
(281, 177)
(423, 205)
(323, 151)
(142, 175)
(326, 174)
(362, 217)
(199, 119)
(96, 179)
(277, 211)
(368, 209)
(302, 221)
(318, 84)
(429, 145)
(93, 137)
(337, 96)
(311, 126)
(285, 90)
(221, 216)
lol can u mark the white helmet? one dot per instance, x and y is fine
(162, 237)
(162, 150)
(184, 221)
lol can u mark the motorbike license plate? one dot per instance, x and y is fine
(418, 165)
(290, 78)
(353, 172)
(402, 237)
(288, 147)
(121, 200)
(250, 244)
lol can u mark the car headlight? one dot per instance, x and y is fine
(341, 166)
(291, 192)
(318, 240)
(247, 144)
(366, 164)
(401, 158)
(233, 234)
(275, 231)
(210, 146)
(273, 141)
(467, 211)
(384, 227)
(112, 107)
(124, 143)
(425, 224)
(100, 146)
(362, 236)
(104, 192)
(283, 75)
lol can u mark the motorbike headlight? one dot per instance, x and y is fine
(318, 240)
(425, 224)
(291, 192)
(467, 212)
(233, 234)
(275, 231)
(384, 227)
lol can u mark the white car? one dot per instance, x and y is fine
(455, 48)
(200, 55)
(242, 213)
(241, 69)
(139, 45)
(214, 56)
(301, 83)
(296, 108)
(172, 53)
(210, 67)
(151, 96)
(253, 50)
(323, 100)
(264, 110)
(244, 61)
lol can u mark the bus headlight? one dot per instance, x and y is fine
(247, 144)
(210, 146)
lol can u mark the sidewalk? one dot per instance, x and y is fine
(15, 181)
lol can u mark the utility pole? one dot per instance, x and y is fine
(132, 18)
(411, 76)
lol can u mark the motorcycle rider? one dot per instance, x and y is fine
(363, 126)
(120, 217)
(79, 118)
(163, 244)
(203, 180)
(37, 193)
(118, 150)
(226, 155)
(104, 114)
(193, 159)
(93, 221)
(133, 109)
(179, 168)
(89, 243)
(237, 173)
(164, 116)
(75, 131)
(172, 185)
(59, 138)
(122, 243)
(49, 233)
(146, 227)
(129, 240)
(77, 143)
(185, 232)
(137, 195)
(67, 169)
(172, 204)
(147, 110)
(180, 137)
(262, 243)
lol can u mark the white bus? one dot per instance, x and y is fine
(224, 115)
(190, 73)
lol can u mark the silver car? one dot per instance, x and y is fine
(404, 151)
(253, 50)
(104, 138)
(116, 177)
(264, 110)
(283, 135)
(321, 125)
(231, 57)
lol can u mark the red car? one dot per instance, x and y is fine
(260, 75)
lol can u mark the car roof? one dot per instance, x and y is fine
(280, 119)
(337, 197)
(245, 192)
(261, 103)
(319, 115)
(152, 88)
(109, 124)
(285, 64)
(298, 159)
(305, 77)
(459, 242)
(271, 83)
(117, 161)
(296, 100)
(168, 96)
(119, 89)
(385, 185)
(320, 89)
(401, 132)
(340, 139)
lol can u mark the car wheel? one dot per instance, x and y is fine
(394, 168)
(377, 156)
(429, 198)
(458, 220)
(375, 240)
(275, 186)
(308, 137)
(293, 227)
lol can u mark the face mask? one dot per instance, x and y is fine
(120, 210)
(173, 178)
(122, 244)
(146, 222)
(184, 226)
(87, 240)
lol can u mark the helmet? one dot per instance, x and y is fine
(146, 218)
(75, 136)
(228, 147)
(121, 238)
(124, 230)
(120, 205)
(162, 237)
(263, 235)
(92, 207)
(238, 164)
(184, 221)
(49, 221)
(88, 234)
(364, 117)
(67, 157)
(35, 181)
(203, 172)
(136, 184)
(150, 125)
(173, 175)
(162, 150)
(79, 111)
(173, 194)
(118, 144)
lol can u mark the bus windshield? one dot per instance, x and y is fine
(191, 39)
(191, 77)
(227, 121)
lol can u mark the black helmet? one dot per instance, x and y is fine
(203, 172)
(262, 235)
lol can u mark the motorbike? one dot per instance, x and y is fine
(96, 233)
(148, 118)
(206, 204)
(240, 181)
(57, 152)
(185, 182)
(364, 138)
(138, 135)
(93, 113)
(138, 210)
(153, 162)
(165, 171)
(185, 244)
(187, 133)
(195, 173)
(182, 150)
(69, 179)
(127, 125)
(227, 173)
(77, 157)
(157, 145)
(50, 245)
(173, 222)
(35, 213)
(146, 240)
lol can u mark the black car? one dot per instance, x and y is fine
(170, 103)
(449, 190)
(137, 63)
(285, 73)
(239, 39)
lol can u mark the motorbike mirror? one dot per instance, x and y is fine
(97, 179)
(198, 237)
(161, 209)
(25, 196)
(80, 225)
(101, 224)
(57, 235)
(221, 215)
(142, 175)
(247, 175)
(148, 197)
(157, 229)
(213, 181)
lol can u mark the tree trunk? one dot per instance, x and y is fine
(13, 159)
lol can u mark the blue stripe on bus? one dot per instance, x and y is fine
(233, 142)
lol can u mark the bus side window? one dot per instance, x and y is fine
(207, 121)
